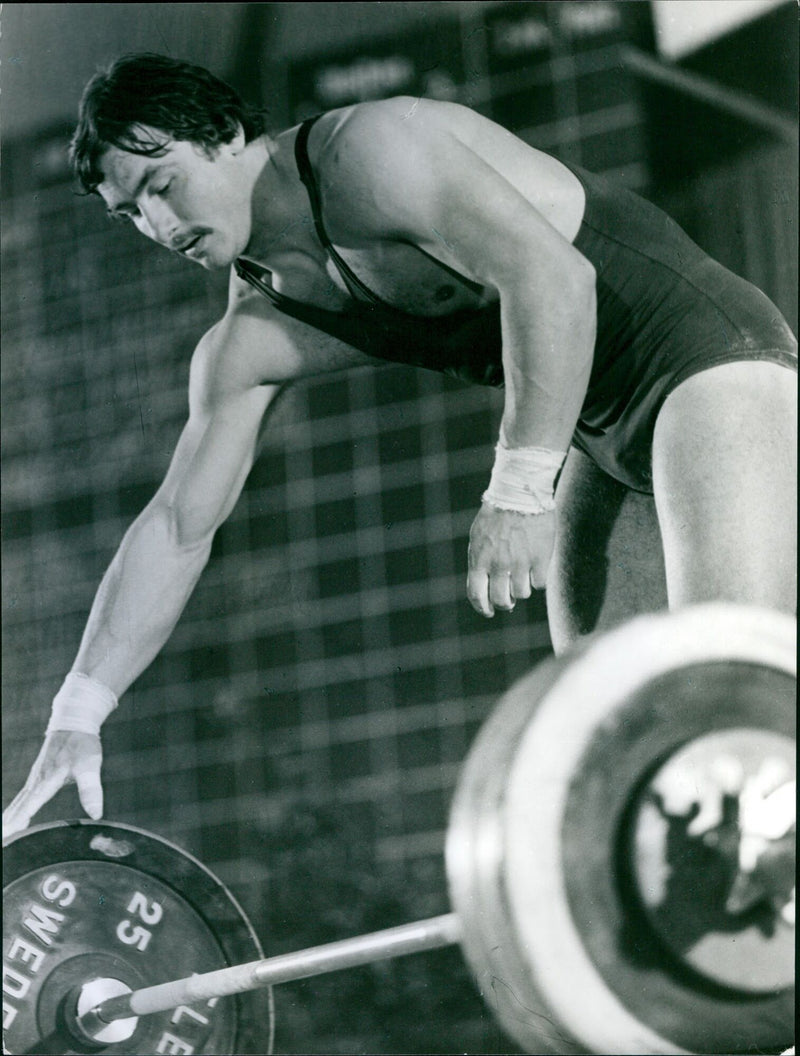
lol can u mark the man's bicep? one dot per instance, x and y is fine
(212, 458)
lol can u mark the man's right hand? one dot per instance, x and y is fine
(65, 757)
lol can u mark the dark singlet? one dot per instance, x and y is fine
(464, 344)
(665, 310)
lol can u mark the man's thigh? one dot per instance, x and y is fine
(607, 565)
(725, 481)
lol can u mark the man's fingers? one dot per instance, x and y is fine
(15, 817)
(90, 790)
(521, 583)
(31, 799)
(508, 555)
(488, 591)
(538, 575)
(500, 590)
(478, 591)
(64, 757)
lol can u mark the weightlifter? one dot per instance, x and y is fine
(646, 388)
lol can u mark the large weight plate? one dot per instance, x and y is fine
(543, 832)
(90, 900)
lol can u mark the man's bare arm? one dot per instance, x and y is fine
(157, 564)
(392, 172)
(437, 176)
(166, 548)
(237, 371)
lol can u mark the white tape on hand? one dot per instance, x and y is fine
(81, 705)
(523, 479)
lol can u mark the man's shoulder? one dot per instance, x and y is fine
(375, 126)
(376, 162)
(235, 353)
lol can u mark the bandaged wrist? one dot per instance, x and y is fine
(523, 479)
(81, 705)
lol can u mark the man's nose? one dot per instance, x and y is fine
(161, 222)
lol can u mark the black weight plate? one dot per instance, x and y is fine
(87, 900)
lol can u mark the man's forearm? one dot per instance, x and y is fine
(140, 599)
(547, 356)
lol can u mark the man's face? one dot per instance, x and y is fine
(191, 200)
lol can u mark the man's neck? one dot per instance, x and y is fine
(281, 215)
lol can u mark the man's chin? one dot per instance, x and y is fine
(214, 261)
(210, 264)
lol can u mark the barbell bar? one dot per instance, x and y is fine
(619, 859)
(431, 934)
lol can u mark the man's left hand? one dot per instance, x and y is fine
(509, 554)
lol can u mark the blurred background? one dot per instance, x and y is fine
(303, 729)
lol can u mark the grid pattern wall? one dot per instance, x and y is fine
(328, 663)
(551, 72)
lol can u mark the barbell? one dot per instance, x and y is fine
(620, 860)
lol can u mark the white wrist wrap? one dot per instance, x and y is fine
(81, 705)
(523, 479)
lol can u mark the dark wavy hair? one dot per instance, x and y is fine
(184, 101)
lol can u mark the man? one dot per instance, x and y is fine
(645, 381)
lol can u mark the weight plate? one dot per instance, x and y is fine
(90, 901)
(542, 835)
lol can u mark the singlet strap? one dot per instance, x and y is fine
(256, 278)
(357, 288)
(307, 176)
(367, 334)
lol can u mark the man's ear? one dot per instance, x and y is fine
(237, 144)
(234, 146)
